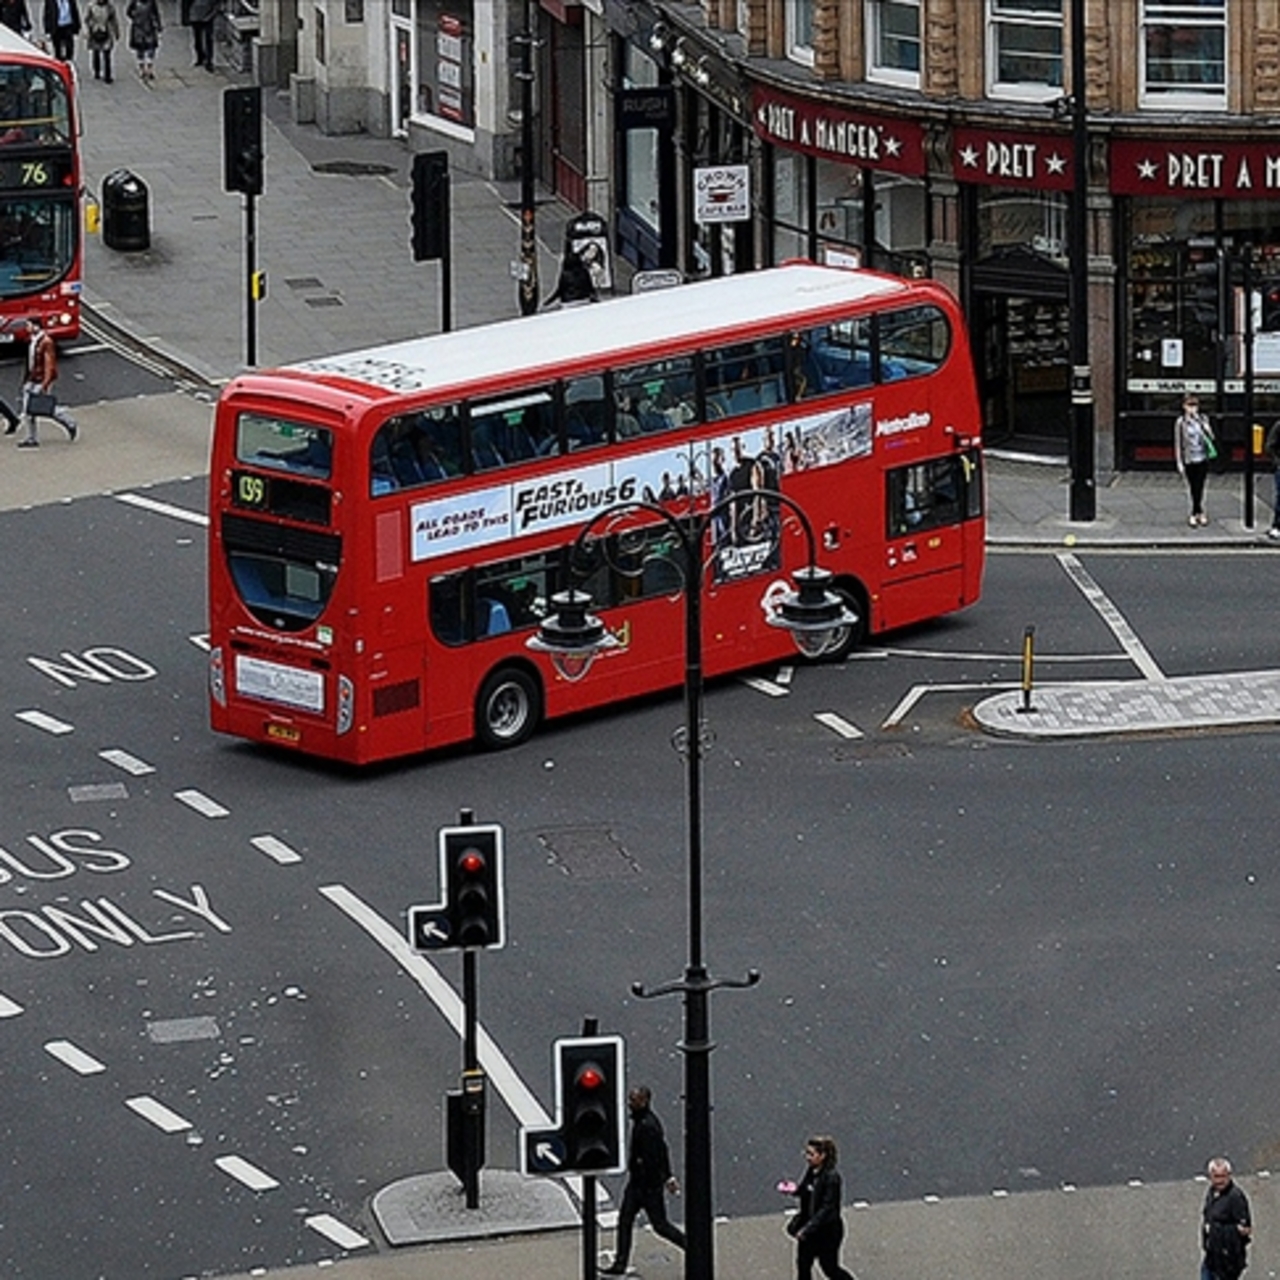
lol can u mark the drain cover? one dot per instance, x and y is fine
(354, 168)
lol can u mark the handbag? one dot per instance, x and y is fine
(1210, 449)
(40, 405)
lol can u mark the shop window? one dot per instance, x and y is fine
(800, 31)
(1183, 54)
(893, 42)
(446, 77)
(1024, 49)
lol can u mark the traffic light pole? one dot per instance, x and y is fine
(473, 1107)
(251, 273)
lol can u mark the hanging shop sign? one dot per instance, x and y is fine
(829, 131)
(1209, 169)
(999, 157)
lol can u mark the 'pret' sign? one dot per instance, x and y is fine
(1233, 170)
(1000, 158)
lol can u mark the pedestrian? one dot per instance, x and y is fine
(201, 16)
(1194, 447)
(1272, 448)
(38, 398)
(102, 30)
(818, 1225)
(14, 15)
(62, 25)
(1228, 1225)
(649, 1178)
(144, 35)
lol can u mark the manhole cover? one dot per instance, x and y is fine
(588, 853)
(328, 300)
(354, 168)
(304, 282)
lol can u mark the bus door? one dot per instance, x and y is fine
(926, 506)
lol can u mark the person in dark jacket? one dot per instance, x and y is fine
(62, 25)
(818, 1225)
(649, 1178)
(1227, 1225)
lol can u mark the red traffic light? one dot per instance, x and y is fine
(589, 1076)
(472, 862)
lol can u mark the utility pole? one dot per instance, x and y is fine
(1084, 496)
(528, 212)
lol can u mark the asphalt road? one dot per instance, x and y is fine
(986, 964)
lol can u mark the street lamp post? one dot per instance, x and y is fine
(573, 637)
(528, 291)
(1084, 496)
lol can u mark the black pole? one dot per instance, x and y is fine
(446, 259)
(528, 213)
(1083, 490)
(590, 1220)
(251, 272)
(473, 1109)
(1248, 387)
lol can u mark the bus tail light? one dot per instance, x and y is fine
(217, 677)
(346, 704)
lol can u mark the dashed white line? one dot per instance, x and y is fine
(276, 849)
(9, 1008)
(201, 803)
(761, 685)
(154, 1111)
(39, 720)
(129, 763)
(341, 1234)
(838, 724)
(163, 508)
(74, 1057)
(242, 1171)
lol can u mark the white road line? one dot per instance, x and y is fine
(75, 1058)
(784, 675)
(201, 803)
(154, 1111)
(123, 760)
(50, 724)
(917, 691)
(201, 641)
(9, 1008)
(950, 655)
(513, 1091)
(838, 724)
(341, 1234)
(760, 685)
(1112, 616)
(276, 849)
(242, 1171)
(162, 508)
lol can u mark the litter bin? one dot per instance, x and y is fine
(126, 212)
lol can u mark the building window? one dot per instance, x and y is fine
(800, 31)
(1024, 49)
(1183, 52)
(893, 42)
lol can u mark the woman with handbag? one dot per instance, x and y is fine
(1193, 449)
(38, 399)
(818, 1225)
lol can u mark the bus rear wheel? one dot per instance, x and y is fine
(847, 639)
(508, 708)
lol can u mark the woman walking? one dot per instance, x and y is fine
(818, 1225)
(103, 29)
(144, 35)
(1193, 449)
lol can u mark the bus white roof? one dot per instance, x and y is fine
(11, 42)
(599, 332)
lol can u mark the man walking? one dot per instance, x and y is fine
(649, 1178)
(37, 390)
(1228, 1225)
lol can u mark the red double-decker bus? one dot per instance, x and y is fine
(388, 527)
(40, 229)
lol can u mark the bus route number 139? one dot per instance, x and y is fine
(250, 490)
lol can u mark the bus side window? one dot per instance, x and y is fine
(913, 343)
(413, 450)
(744, 378)
(513, 429)
(446, 603)
(586, 413)
(832, 357)
(927, 495)
(657, 396)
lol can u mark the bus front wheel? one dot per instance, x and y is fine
(508, 708)
(847, 639)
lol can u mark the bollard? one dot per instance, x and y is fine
(1028, 668)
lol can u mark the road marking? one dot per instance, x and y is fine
(158, 1114)
(917, 691)
(242, 1171)
(75, 1058)
(761, 685)
(201, 803)
(162, 508)
(201, 641)
(123, 760)
(838, 724)
(952, 655)
(784, 675)
(341, 1234)
(90, 792)
(9, 1008)
(50, 724)
(1107, 611)
(276, 849)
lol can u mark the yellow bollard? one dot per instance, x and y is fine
(92, 217)
(1259, 438)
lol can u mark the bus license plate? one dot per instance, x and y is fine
(284, 733)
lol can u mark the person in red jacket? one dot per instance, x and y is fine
(38, 399)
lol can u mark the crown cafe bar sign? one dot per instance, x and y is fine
(826, 130)
(1231, 170)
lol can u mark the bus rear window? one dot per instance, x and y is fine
(280, 445)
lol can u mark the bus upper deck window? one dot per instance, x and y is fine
(913, 343)
(830, 358)
(300, 448)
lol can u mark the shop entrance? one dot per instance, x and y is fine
(1021, 331)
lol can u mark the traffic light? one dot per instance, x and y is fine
(472, 875)
(429, 205)
(242, 140)
(589, 1086)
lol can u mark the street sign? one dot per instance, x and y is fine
(542, 1151)
(430, 928)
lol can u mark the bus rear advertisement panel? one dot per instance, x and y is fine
(388, 528)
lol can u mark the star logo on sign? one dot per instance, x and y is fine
(1056, 163)
(893, 146)
(969, 158)
(1146, 170)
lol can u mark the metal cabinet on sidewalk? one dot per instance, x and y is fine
(126, 212)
